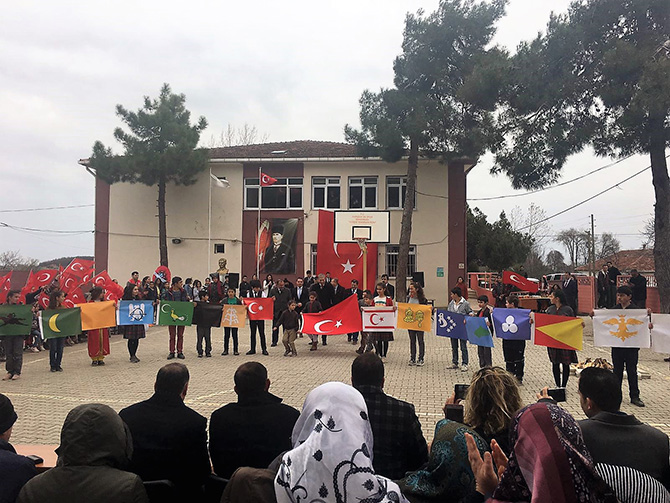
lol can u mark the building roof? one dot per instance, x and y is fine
(300, 149)
(625, 260)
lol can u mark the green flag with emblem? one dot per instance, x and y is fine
(175, 313)
(15, 319)
(60, 322)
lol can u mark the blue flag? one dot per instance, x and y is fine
(478, 332)
(512, 324)
(448, 324)
(135, 312)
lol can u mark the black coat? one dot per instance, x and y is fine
(350, 291)
(16, 471)
(169, 440)
(323, 294)
(251, 432)
(281, 261)
(339, 295)
(303, 298)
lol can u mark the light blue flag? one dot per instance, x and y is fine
(448, 324)
(478, 332)
(512, 324)
(135, 312)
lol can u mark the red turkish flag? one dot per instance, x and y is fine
(102, 280)
(79, 267)
(44, 277)
(69, 282)
(43, 300)
(113, 291)
(259, 309)
(514, 278)
(342, 318)
(344, 261)
(5, 286)
(267, 180)
(88, 276)
(74, 297)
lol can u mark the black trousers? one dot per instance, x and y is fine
(257, 325)
(627, 357)
(513, 351)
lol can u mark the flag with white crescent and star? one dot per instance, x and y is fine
(56, 323)
(378, 319)
(79, 267)
(342, 318)
(523, 284)
(267, 180)
(259, 308)
(5, 285)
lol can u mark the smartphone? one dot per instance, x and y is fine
(460, 391)
(454, 412)
(35, 459)
(558, 394)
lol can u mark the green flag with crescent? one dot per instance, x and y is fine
(60, 322)
(15, 319)
(175, 313)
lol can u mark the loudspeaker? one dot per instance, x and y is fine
(417, 277)
(233, 280)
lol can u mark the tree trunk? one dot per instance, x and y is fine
(659, 171)
(162, 223)
(406, 225)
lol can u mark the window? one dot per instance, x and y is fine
(325, 192)
(396, 189)
(286, 193)
(363, 192)
(219, 248)
(312, 259)
(392, 260)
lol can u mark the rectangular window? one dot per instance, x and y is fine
(392, 260)
(219, 248)
(312, 259)
(363, 193)
(286, 193)
(325, 192)
(396, 190)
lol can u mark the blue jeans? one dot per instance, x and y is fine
(454, 351)
(56, 352)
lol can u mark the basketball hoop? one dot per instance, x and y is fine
(362, 244)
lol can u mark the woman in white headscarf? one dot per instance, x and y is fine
(331, 459)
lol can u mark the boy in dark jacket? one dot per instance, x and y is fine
(290, 320)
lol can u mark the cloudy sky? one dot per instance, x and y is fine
(293, 69)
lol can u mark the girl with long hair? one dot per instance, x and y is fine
(56, 345)
(98, 339)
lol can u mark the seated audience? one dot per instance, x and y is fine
(16, 470)
(549, 462)
(447, 476)
(169, 438)
(254, 430)
(94, 452)
(331, 459)
(614, 437)
(399, 445)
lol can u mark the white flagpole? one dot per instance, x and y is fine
(258, 226)
(209, 223)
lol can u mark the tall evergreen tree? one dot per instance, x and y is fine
(160, 148)
(599, 77)
(446, 89)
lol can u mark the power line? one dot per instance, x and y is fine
(48, 231)
(48, 208)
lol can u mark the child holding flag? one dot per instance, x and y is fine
(204, 332)
(56, 345)
(98, 339)
(381, 339)
(230, 331)
(132, 333)
(290, 320)
(313, 306)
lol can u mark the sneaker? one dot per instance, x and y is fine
(236, 353)
(180, 356)
(225, 353)
(464, 368)
(208, 355)
(419, 363)
(454, 366)
(324, 343)
(199, 355)
(59, 369)
(265, 352)
(287, 353)
(251, 352)
(294, 353)
(7, 377)
(359, 351)
(134, 359)
(101, 362)
(54, 369)
(16, 377)
(94, 363)
(637, 402)
(170, 356)
(411, 363)
(273, 345)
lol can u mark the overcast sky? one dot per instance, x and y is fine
(293, 69)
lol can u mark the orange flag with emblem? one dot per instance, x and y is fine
(414, 317)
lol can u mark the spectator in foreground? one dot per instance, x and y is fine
(169, 438)
(399, 444)
(254, 430)
(549, 462)
(332, 442)
(16, 470)
(614, 437)
(93, 456)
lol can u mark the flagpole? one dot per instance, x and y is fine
(258, 226)
(209, 224)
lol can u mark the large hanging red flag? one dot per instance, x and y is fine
(514, 278)
(79, 267)
(344, 261)
(342, 318)
(259, 308)
(267, 180)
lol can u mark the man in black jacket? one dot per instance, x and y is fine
(324, 293)
(638, 285)
(253, 431)
(300, 294)
(354, 290)
(614, 437)
(16, 470)
(169, 438)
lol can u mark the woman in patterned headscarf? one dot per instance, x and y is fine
(549, 462)
(331, 459)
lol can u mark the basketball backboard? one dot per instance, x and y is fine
(373, 226)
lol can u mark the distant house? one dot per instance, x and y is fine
(625, 260)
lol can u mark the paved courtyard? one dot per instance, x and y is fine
(42, 399)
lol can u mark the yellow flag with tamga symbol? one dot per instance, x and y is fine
(414, 317)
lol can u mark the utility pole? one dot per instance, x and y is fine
(593, 247)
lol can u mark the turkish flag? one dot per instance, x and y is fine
(344, 261)
(342, 318)
(5, 286)
(44, 277)
(259, 308)
(43, 300)
(68, 282)
(79, 267)
(102, 280)
(113, 291)
(88, 276)
(76, 296)
(514, 278)
(267, 180)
